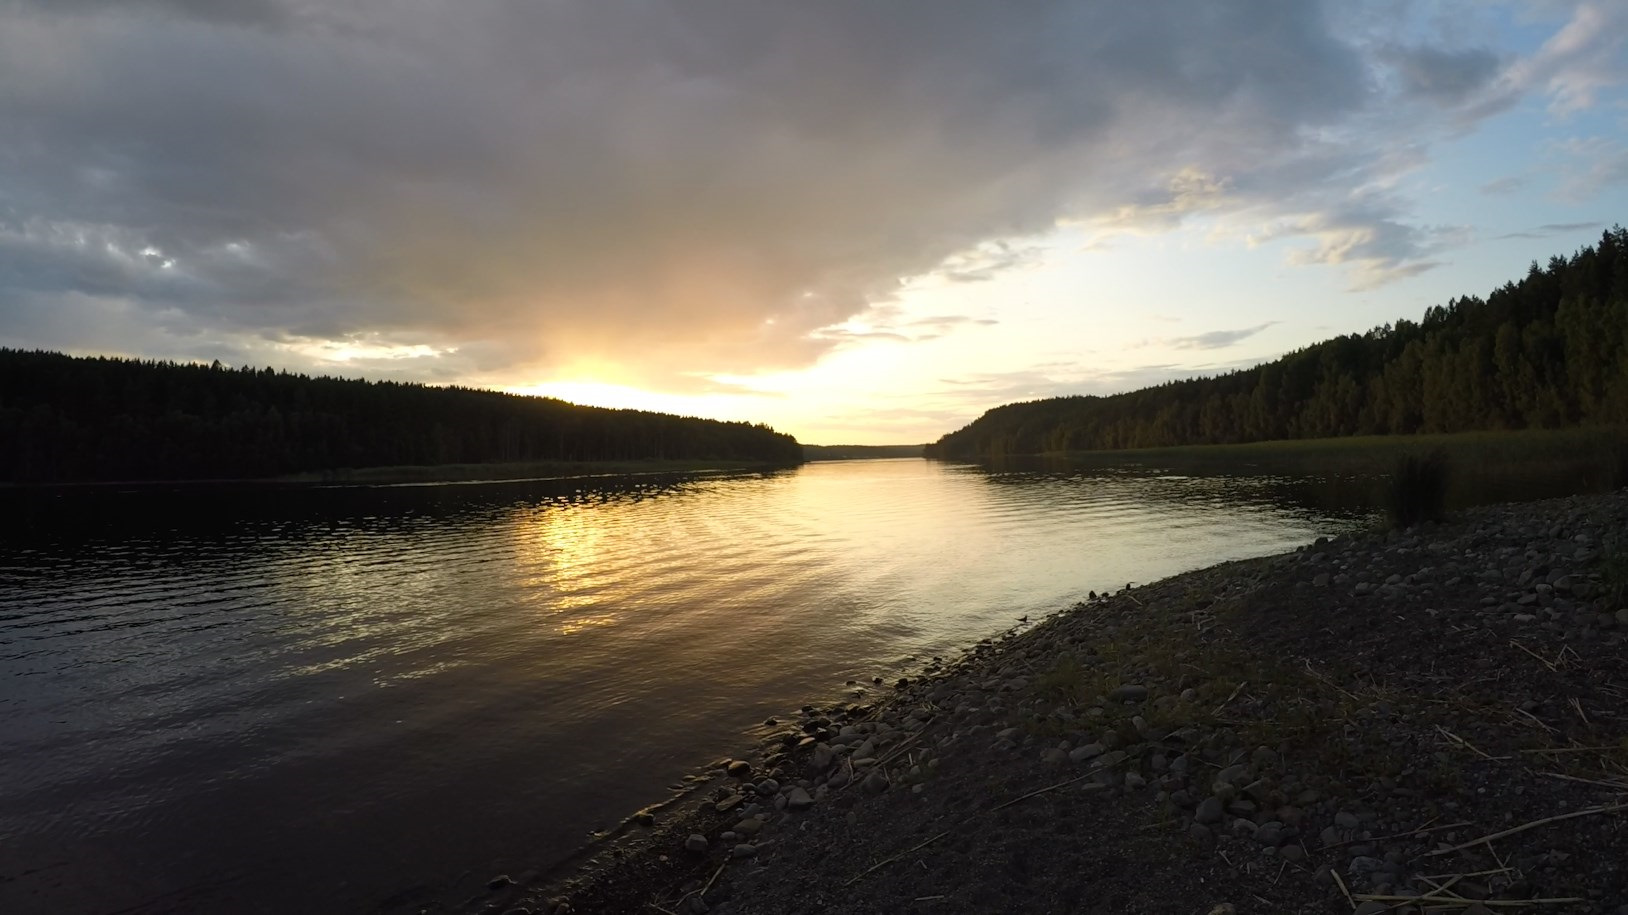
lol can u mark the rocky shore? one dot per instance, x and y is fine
(1432, 721)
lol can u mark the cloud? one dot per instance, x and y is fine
(986, 260)
(1507, 185)
(647, 190)
(1551, 229)
(1590, 166)
(1444, 77)
(887, 322)
(1364, 232)
(1218, 339)
(1582, 60)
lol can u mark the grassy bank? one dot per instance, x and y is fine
(1486, 466)
(520, 470)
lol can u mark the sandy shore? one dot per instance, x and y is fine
(1428, 721)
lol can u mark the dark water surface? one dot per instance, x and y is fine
(245, 699)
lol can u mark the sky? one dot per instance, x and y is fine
(858, 222)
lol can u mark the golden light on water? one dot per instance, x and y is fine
(561, 551)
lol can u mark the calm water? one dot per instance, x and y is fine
(378, 698)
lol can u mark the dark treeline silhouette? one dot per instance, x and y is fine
(1550, 350)
(68, 419)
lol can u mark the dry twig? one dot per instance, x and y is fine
(1579, 707)
(1467, 745)
(1620, 786)
(1233, 695)
(1532, 825)
(886, 861)
(1336, 875)
(1401, 835)
(1541, 659)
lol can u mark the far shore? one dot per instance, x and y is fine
(514, 472)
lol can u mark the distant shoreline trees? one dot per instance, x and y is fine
(87, 419)
(1548, 351)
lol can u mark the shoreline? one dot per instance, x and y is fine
(1339, 728)
(433, 474)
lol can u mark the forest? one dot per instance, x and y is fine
(75, 419)
(1547, 351)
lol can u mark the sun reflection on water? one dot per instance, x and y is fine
(560, 551)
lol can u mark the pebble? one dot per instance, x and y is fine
(696, 844)
(1210, 811)
(744, 850)
(798, 799)
(1089, 751)
(1129, 692)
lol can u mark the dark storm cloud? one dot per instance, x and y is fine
(668, 187)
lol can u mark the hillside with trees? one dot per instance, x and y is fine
(68, 419)
(1548, 351)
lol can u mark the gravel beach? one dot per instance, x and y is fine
(1433, 720)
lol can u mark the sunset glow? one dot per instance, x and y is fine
(759, 217)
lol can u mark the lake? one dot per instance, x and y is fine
(236, 698)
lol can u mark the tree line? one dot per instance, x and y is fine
(76, 419)
(1546, 351)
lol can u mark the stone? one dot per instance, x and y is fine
(1320, 580)
(1362, 864)
(499, 882)
(1210, 811)
(1372, 907)
(1129, 692)
(1201, 834)
(875, 783)
(729, 803)
(1088, 751)
(1346, 820)
(798, 799)
(744, 850)
(739, 768)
